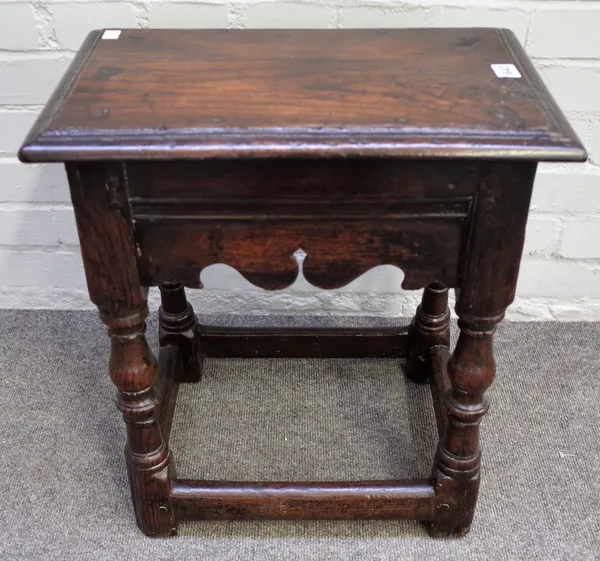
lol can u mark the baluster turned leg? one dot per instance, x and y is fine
(133, 370)
(471, 370)
(178, 326)
(430, 327)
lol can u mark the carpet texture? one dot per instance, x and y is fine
(64, 488)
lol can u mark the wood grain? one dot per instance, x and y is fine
(294, 181)
(265, 93)
(365, 500)
(223, 342)
(338, 251)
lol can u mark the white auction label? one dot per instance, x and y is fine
(111, 34)
(506, 71)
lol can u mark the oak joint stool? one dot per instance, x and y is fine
(416, 148)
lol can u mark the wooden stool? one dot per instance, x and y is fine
(416, 148)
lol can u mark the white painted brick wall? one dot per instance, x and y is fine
(18, 27)
(74, 20)
(27, 79)
(21, 225)
(566, 192)
(580, 239)
(173, 15)
(14, 125)
(288, 14)
(565, 33)
(32, 183)
(373, 16)
(40, 264)
(575, 85)
(493, 15)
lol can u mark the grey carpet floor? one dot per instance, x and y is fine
(64, 493)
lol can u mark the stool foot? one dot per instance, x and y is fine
(454, 513)
(178, 326)
(430, 327)
(150, 491)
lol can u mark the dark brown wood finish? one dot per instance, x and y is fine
(187, 148)
(440, 384)
(425, 249)
(106, 235)
(492, 258)
(178, 326)
(270, 93)
(222, 342)
(170, 366)
(430, 328)
(365, 500)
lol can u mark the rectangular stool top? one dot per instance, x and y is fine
(193, 94)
